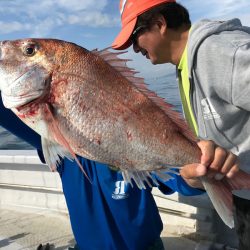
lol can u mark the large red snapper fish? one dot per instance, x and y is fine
(89, 103)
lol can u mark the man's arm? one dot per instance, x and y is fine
(177, 184)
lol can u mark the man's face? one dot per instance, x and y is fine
(151, 43)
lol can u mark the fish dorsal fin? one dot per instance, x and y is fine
(121, 66)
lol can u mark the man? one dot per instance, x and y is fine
(213, 64)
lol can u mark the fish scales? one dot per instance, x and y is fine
(120, 124)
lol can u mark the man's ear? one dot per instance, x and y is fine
(161, 23)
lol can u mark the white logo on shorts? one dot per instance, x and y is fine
(119, 192)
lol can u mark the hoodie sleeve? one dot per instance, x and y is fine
(177, 184)
(241, 77)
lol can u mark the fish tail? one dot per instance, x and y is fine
(220, 194)
(241, 180)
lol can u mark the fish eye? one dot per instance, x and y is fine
(29, 50)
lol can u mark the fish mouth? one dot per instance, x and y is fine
(31, 86)
(11, 102)
(27, 98)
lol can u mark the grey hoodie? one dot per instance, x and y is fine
(219, 74)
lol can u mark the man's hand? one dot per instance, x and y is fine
(216, 162)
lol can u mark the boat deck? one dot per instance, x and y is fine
(20, 230)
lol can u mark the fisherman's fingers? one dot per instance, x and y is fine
(231, 166)
(207, 151)
(219, 161)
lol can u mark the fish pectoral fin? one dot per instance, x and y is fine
(58, 136)
(53, 153)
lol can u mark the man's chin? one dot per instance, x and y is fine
(154, 62)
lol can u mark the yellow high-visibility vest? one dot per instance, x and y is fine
(184, 87)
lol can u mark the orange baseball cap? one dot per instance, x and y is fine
(130, 10)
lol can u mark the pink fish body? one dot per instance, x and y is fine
(91, 104)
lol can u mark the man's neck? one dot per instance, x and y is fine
(178, 40)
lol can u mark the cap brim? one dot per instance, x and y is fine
(122, 40)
